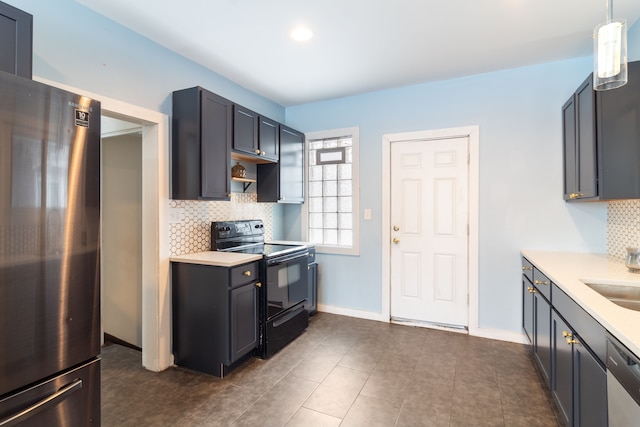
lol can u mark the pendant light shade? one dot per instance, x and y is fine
(610, 53)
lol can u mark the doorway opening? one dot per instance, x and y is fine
(121, 243)
(470, 133)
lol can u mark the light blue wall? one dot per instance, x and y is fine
(75, 46)
(518, 112)
(78, 47)
(521, 206)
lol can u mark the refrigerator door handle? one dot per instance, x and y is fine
(43, 404)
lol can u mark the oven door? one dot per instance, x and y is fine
(287, 282)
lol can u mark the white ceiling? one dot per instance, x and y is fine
(363, 45)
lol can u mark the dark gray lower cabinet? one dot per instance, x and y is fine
(536, 316)
(542, 335)
(215, 315)
(569, 348)
(562, 386)
(579, 380)
(527, 309)
(312, 298)
(244, 333)
(589, 388)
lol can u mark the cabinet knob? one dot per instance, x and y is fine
(575, 195)
(531, 289)
(258, 285)
(262, 153)
(541, 282)
(257, 151)
(396, 228)
(527, 268)
(396, 240)
(247, 273)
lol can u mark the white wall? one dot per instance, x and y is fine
(521, 206)
(122, 237)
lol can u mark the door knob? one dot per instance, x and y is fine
(396, 240)
(396, 228)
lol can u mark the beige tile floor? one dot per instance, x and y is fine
(341, 372)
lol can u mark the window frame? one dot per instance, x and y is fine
(354, 133)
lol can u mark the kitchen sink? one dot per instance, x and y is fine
(622, 295)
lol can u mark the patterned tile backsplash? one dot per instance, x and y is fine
(193, 233)
(623, 226)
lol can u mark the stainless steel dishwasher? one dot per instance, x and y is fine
(623, 385)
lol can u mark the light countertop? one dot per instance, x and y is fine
(570, 270)
(216, 258)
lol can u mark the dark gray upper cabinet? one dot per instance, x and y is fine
(16, 33)
(201, 145)
(601, 131)
(284, 182)
(255, 138)
(269, 138)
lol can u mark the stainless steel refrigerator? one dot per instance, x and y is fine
(49, 256)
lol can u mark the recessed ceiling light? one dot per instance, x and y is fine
(301, 34)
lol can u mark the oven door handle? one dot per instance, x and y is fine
(285, 258)
(284, 319)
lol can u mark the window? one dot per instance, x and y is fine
(330, 214)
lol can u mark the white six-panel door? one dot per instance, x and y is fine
(429, 240)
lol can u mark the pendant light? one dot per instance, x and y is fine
(610, 53)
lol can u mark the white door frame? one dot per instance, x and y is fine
(473, 133)
(156, 295)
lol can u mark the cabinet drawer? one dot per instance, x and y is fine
(542, 283)
(527, 269)
(591, 332)
(245, 273)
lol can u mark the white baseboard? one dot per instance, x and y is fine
(498, 334)
(369, 315)
(494, 334)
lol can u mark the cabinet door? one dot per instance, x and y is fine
(589, 388)
(542, 335)
(291, 165)
(245, 130)
(268, 139)
(562, 378)
(570, 149)
(586, 138)
(527, 308)
(16, 33)
(283, 182)
(216, 146)
(244, 320)
(618, 129)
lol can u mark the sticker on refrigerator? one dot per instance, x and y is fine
(82, 118)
